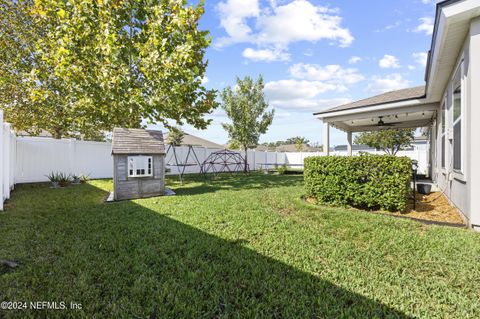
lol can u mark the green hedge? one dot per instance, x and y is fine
(367, 181)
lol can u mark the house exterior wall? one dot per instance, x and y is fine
(473, 120)
(461, 187)
(125, 187)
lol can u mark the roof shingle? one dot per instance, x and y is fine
(137, 141)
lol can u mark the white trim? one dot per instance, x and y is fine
(368, 113)
(443, 133)
(459, 67)
(139, 162)
(461, 7)
(380, 107)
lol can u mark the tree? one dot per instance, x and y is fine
(233, 145)
(297, 140)
(299, 145)
(390, 141)
(175, 136)
(82, 66)
(246, 107)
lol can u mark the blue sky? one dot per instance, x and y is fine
(314, 55)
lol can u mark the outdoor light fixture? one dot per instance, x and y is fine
(414, 165)
(414, 172)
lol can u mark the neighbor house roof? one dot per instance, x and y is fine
(287, 148)
(137, 141)
(355, 147)
(389, 97)
(193, 140)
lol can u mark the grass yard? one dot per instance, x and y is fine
(241, 247)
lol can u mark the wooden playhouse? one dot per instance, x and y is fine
(138, 163)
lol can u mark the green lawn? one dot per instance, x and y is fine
(238, 247)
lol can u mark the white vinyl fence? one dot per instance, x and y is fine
(36, 157)
(31, 159)
(7, 160)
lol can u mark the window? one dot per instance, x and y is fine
(443, 131)
(457, 120)
(139, 166)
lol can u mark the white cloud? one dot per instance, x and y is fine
(204, 80)
(275, 27)
(233, 18)
(354, 60)
(265, 55)
(389, 83)
(305, 90)
(300, 20)
(330, 73)
(308, 105)
(420, 58)
(425, 26)
(389, 62)
(296, 89)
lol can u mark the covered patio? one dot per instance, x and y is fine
(407, 108)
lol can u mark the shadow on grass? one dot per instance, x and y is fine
(124, 260)
(233, 182)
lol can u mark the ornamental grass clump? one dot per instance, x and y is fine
(367, 181)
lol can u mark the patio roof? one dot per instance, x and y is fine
(388, 97)
(413, 107)
(406, 108)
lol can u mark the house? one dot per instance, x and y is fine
(355, 147)
(193, 140)
(288, 148)
(138, 163)
(448, 105)
(420, 143)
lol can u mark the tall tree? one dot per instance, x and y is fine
(84, 66)
(246, 107)
(390, 141)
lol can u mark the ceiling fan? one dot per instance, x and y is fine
(382, 124)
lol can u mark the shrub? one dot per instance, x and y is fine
(282, 169)
(64, 179)
(84, 178)
(367, 181)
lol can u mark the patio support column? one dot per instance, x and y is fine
(326, 138)
(349, 144)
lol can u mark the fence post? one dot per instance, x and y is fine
(6, 161)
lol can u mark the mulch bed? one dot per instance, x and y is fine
(434, 207)
(430, 209)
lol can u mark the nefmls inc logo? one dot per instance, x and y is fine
(50, 305)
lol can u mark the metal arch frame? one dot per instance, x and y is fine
(226, 159)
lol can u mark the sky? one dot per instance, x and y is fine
(314, 55)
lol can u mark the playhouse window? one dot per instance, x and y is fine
(139, 166)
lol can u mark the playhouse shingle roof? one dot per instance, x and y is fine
(389, 97)
(137, 141)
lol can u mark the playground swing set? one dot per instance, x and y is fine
(223, 161)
